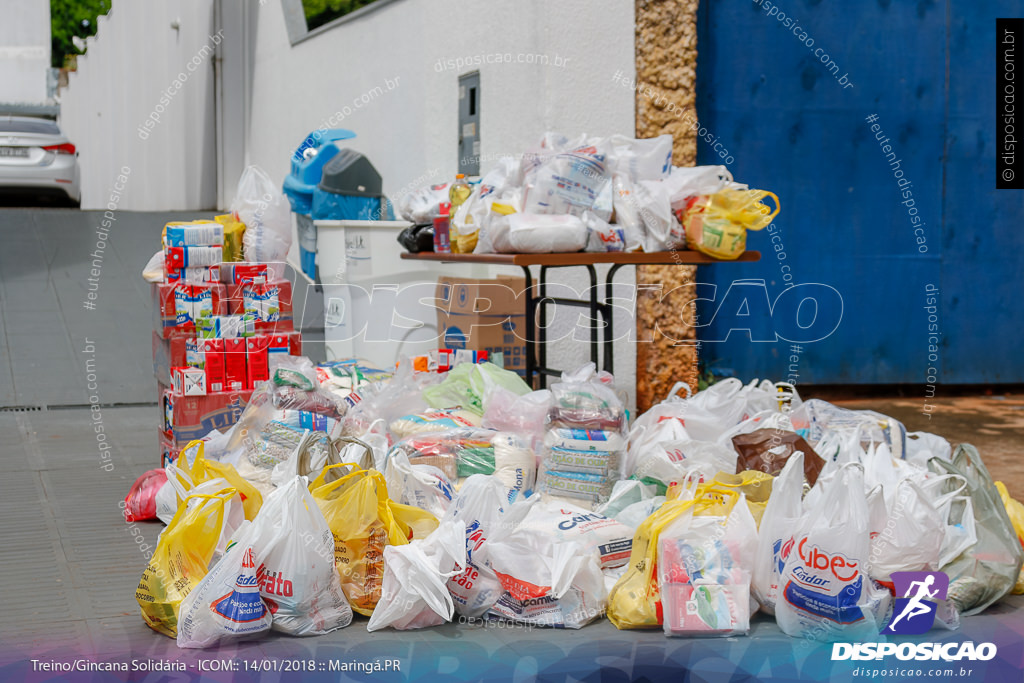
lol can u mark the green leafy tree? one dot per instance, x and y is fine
(319, 12)
(70, 18)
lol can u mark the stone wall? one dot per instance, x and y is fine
(666, 75)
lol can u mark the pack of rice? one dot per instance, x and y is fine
(585, 438)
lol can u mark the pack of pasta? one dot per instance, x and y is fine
(585, 438)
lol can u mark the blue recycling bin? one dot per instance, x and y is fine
(307, 164)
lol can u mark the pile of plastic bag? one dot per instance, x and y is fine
(411, 497)
(599, 194)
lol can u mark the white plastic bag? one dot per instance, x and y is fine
(692, 181)
(166, 503)
(423, 486)
(947, 494)
(645, 159)
(297, 575)
(923, 446)
(606, 539)
(524, 416)
(825, 591)
(424, 204)
(550, 144)
(571, 182)
(910, 539)
(704, 568)
(662, 230)
(535, 233)
(413, 592)
(226, 605)
(153, 271)
(601, 235)
(631, 503)
(627, 212)
(482, 506)
(775, 535)
(546, 582)
(815, 418)
(267, 216)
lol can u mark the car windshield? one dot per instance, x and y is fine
(9, 125)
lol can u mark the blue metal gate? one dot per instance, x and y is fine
(886, 209)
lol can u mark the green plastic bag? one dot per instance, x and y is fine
(986, 571)
(468, 386)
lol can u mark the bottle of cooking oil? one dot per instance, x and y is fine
(457, 195)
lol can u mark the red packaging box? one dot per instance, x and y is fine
(175, 352)
(236, 273)
(287, 343)
(177, 305)
(213, 352)
(193, 417)
(234, 365)
(257, 363)
(168, 453)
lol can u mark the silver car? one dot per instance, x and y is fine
(36, 158)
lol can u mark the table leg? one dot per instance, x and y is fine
(531, 312)
(609, 339)
(542, 332)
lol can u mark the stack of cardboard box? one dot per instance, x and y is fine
(216, 326)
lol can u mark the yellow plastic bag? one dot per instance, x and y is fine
(717, 224)
(756, 487)
(1015, 511)
(234, 230)
(181, 559)
(363, 521)
(204, 470)
(635, 600)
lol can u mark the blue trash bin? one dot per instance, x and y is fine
(307, 165)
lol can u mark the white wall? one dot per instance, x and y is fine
(24, 50)
(411, 131)
(128, 74)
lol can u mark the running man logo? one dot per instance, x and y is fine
(917, 596)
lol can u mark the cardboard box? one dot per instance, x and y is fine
(484, 315)
(237, 273)
(193, 417)
(188, 381)
(177, 305)
(234, 365)
(193, 275)
(168, 453)
(193, 234)
(192, 257)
